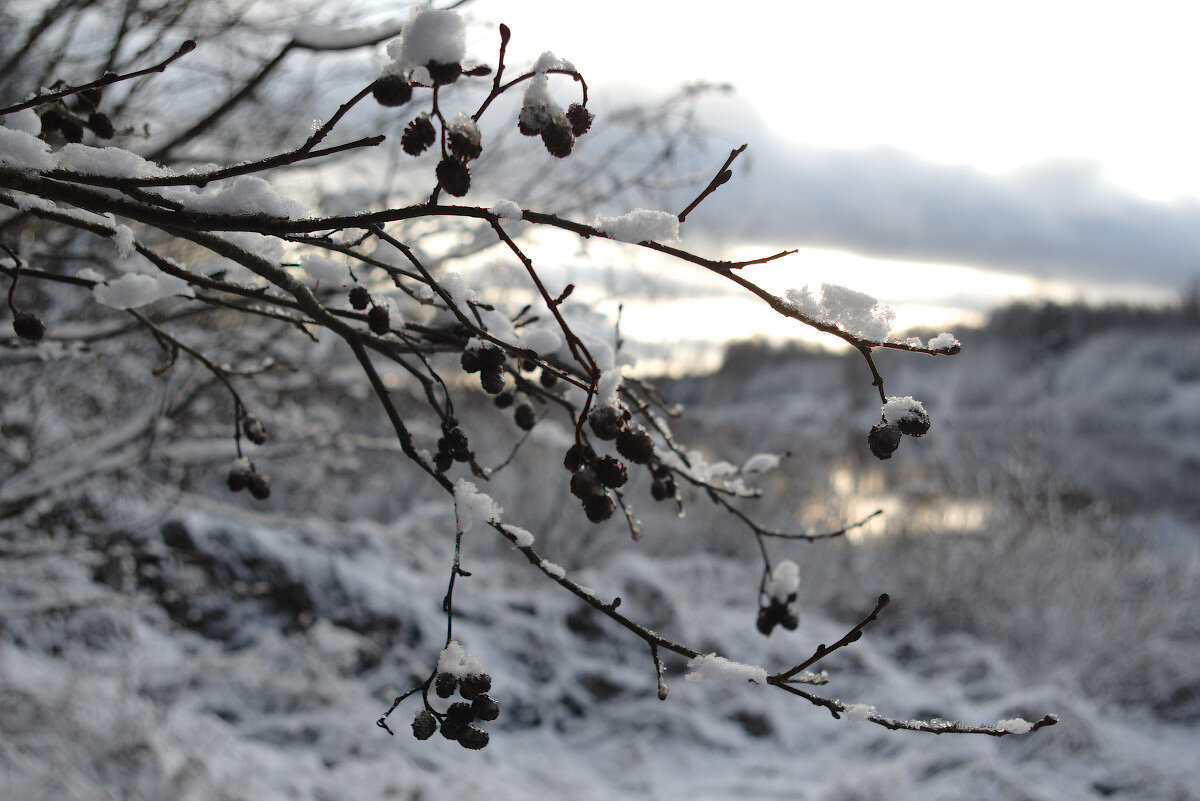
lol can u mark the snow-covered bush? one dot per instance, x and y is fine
(109, 232)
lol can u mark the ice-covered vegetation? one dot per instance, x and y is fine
(276, 456)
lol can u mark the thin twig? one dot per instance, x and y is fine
(102, 81)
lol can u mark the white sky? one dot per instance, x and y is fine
(996, 87)
(993, 85)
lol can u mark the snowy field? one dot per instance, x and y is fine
(197, 650)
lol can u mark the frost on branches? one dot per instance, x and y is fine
(221, 242)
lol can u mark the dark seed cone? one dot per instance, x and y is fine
(580, 119)
(238, 477)
(474, 685)
(454, 176)
(442, 74)
(492, 380)
(610, 472)
(504, 399)
(767, 620)
(577, 456)
(533, 119)
(914, 424)
(473, 737)
(485, 707)
(391, 90)
(584, 483)
(662, 488)
(525, 417)
(547, 379)
(71, 130)
(259, 485)
(598, 508)
(444, 685)
(883, 440)
(424, 725)
(101, 125)
(461, 712)
(377, 320)
(51, 121)
(635, 445)
(606, 422)
(442, 461)
(254, 429)
(452, 729)
(359, 297)
(492, 356)
(558, 139)
(454, 442)
(471, 361)
(29, 326)
(464, 146)
(418, 135)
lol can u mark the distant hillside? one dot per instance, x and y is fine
(1106, 401)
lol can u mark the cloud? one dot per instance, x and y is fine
(1057, 219)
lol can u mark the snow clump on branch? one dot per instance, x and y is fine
(506, 210)
(472, 505)
(859, 712)
(856, 313)
(135, 290)
(640, 225)
(710, 667)
(1014, 725)
(455, 660)
(431, 35)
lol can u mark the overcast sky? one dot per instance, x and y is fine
(1051, 141)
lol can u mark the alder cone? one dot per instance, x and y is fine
(914, 424)
(258, 485)
(444, 684)
(28, 326)
(378, 321)
(474, 685)
(883, 440)
(391, 91)
(525, 417)
(610, 472)
(606, 422)
(635, 445)
(359, 297)
(598, 507)
(101, 125)
(442, 74)
(424, 725)
(485, 707)
(418, 135)
(558, 139)
(577, 456)
(472, 737)
(454, 176)
(580, 119)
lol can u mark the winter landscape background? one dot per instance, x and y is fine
(1040, 545)
(162, 638)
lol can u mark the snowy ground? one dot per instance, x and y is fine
(214, 653)
(262, 675)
